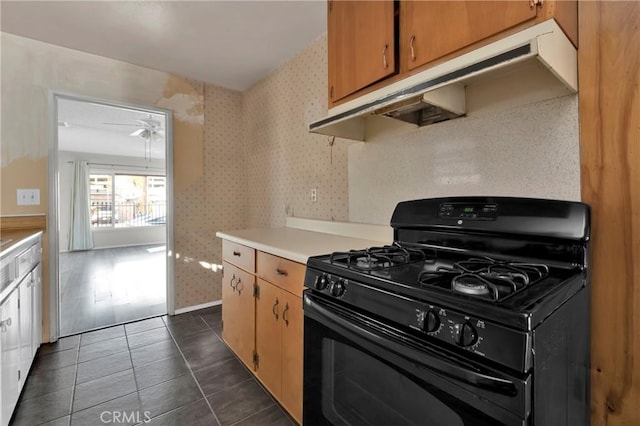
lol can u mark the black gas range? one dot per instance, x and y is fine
(480, 306)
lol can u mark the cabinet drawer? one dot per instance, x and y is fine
(242, 256)
(284, 273)
(27, 260)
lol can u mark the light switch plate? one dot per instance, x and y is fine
(28, 197)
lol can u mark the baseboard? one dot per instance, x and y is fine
(196, 307)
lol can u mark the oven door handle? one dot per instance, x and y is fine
(424, 358)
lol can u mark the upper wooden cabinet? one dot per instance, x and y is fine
(426, 33)
(361, 37)
(432, 29)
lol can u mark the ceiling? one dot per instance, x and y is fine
(102, 129)
(232, 44)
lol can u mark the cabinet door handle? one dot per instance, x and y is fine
(331, 92)
(237, 253)
(281, 272)
(233, 287)
(4, 324)
(384, 56)
(239, 286)
(413, 52)
(284, 314)
(274, 309)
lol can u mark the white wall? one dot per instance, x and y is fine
(103, 238)
(526, 151)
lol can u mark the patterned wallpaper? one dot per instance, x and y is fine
(215, 201)
(283, 160)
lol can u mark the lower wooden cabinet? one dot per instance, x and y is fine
(269, 336)
(292, 354)
(238, 312)
(262, 319)
(279, 328)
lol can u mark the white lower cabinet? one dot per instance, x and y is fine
(36, 309)
(20, 326)
(10, 353)
(25, 305)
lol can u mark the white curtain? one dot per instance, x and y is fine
(81, 236)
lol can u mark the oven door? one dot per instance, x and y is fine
(359, 371)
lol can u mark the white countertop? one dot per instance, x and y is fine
(296, 244)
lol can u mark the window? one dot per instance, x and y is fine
(125, 200)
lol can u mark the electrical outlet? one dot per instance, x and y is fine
(314, 194)
(28, 197)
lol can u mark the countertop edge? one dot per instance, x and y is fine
(19, 244)
(15, 244)
(329, 242)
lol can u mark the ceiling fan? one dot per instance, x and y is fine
(150, 127)
(150, 130)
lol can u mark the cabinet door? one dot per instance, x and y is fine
(9, 354)
(432, 29)
(269, 308)
(361, 45)
(26, 329)
(37, 310)
(238, 318)
(292, 347)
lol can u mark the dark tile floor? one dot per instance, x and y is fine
(99, 288)
(161, 371)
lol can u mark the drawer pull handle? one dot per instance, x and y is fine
(281, 272)
(237, 253)
(284, 314)
(4, 324)
(275, 308)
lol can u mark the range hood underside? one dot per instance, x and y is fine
(536, 64)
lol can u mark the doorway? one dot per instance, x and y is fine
(113, 198)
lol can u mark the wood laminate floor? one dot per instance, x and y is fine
(99, 288)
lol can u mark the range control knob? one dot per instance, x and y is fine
(337, 288)
(465, 335)
(321, 282)
(431, 321)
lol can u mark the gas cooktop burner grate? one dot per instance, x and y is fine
(375, 258)
(484, 278)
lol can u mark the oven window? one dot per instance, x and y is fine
(361, 390)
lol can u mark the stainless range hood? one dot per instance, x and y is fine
(536, 63)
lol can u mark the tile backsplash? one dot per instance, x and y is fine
(526, 151)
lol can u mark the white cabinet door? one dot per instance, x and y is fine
(37, 310)
(26, 328)
(9, 354)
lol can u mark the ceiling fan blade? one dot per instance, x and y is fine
(138, 132)
(122, 124)
(149, 122)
